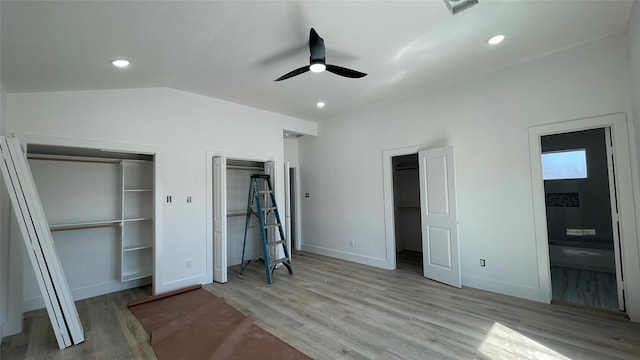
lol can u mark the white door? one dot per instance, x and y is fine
(441, 256)
(270, 169)
(220, 219)
(615, 222)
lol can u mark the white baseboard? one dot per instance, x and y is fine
(500, 287)
(357, 258)
(35, 303)
(505, 288)
(181, 283)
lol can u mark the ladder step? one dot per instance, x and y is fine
(270, 226)
(269, 208)
(279, 261)
(275, 242)
(265, 191)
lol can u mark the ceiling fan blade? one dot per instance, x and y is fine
(284, 54)
(316, 47)
(293, 73)
(342, 71)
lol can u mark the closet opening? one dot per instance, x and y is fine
(238, 175)
(407, 216)
(583, 233)
(100, 210)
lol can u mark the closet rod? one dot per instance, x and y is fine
(80, 227)
(236, 213)
(81, 159)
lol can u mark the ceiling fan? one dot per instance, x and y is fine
(317, 61)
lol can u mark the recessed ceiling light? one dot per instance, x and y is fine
(120, 63)
(320, 104)
(495, 39)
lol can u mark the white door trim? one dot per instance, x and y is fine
(627, 180)
(613, 199)
(387, 186)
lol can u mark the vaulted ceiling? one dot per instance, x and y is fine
(233, 50)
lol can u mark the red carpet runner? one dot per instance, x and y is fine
(192, 323)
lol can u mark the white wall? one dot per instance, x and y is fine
(486, 120)
(4, 238)
(633, 48)
(181, 127)
(291, 151)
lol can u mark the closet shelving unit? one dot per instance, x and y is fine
(137, 219)
(133, 195)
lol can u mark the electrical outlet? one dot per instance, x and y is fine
(188, 264)
(483, 262)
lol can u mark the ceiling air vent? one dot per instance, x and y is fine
(455, 6)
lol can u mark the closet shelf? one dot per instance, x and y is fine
(84, 225)
(240, 167)
(407, 206)
(143, 273)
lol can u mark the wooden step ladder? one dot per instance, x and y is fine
(261, 202)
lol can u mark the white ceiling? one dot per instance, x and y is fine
(233, 50)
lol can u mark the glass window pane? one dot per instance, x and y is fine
(564, 165)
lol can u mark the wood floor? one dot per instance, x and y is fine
(585, 287)
(111, 332)
(331, 309)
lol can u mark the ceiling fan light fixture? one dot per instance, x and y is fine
(317, 67)
(456, 6)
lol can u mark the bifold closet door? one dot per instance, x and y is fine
(220, 219)
(39, 244)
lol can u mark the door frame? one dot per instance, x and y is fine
(387, 186)
(626, 177)
(296, 189)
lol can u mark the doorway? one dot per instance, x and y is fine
(406, 202)
(438, 210)
(229, 182)
(293, 221)
(582, 233)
